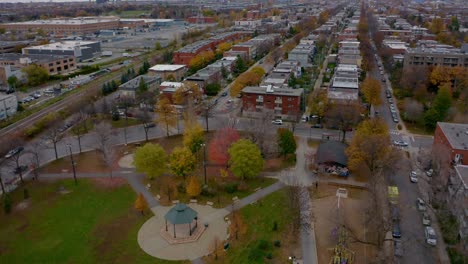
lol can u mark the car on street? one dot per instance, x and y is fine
(426, 219)
(229, 101)
(388, 93)
(430, 235)
(390, 99)
(149, 125)
(421, 205)
(224, 94)
(400, 143)
(277, 122)
(429, 173)
(395, 119)
(317, 126)
(413, 177)
(37, 95)
(13, 152)
(396, 231)
(20, 169)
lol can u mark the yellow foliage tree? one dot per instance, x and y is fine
(372, 89)
(167, 114)
(193, 187)
(318, 103)
(225, 46)
(193, 135)
(370, 146)
(238, 227)
(440, 75)
(437, 26)
(140, 204)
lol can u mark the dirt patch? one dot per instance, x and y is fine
(109, 183)
(23, 205)
(350, 213)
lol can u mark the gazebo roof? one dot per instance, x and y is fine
(181, 214)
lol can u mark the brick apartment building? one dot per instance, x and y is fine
(285, 102)
(187, 53)
(454, 138)
(167, 71)
(201, 20)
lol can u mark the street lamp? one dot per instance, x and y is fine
(72, 162)
(204, 159)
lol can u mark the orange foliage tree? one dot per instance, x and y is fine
(219, 145)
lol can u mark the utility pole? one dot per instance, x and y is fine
(204, 160)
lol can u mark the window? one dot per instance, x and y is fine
(260, 97)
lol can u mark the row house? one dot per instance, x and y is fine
(205, 76)
(453, 138)
(447, 57)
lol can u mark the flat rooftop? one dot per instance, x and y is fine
(167, 67)
(456, 134)
(63, 45)
(33, 57)
(73, 21)
(274, 91)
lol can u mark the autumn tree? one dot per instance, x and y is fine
(54, 136)
(245, 159)
(413, 110)
(193, 187)
(219, 145)
(140, 204)
(201, 60)
(182, 161)
(187, 94)
(437, 26)
(238, 227)
(168, 187)
(35, 74)
(194, 136)
(151, 160)
(372, 90)
(167, 114)
(286, 141)
(344, 116)
(318, 104)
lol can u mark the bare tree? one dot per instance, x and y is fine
(344, 117)
(54, 136)
(207, 112)
(104, 143)
(15, 160)
(413, 110)
(80, 127)
(260, 129)
(35, 148)
(146, 118)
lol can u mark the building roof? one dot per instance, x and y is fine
(180, 214)
(331, 151)
(456, 134)
(270, 90)
(35, 58)
(342, 94)
(134, 83)
(167, 67)
(73, 21)
(345, 82)
(6, 96)
(462, 171)
(63, 45)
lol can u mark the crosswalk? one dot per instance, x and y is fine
(394, 132)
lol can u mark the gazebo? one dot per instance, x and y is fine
(181, 214)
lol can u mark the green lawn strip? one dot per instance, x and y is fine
(260, 218)
(58, 228)
(122, 123)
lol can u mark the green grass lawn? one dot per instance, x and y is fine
(417, 129)
(260, 218)
(91, 224)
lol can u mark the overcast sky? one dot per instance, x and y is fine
(37, 1)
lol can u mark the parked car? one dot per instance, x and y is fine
(13, 152)
(430, 172)
(400, 143)
(395, 119)
(224, 94)
(277, 122)
(317, 126)
(396, 231)
(420, 205)
(20, 169)
(413, 177)
(398, 248)
(426, 219)
(430, 235)
(390, 99)
(149, 125)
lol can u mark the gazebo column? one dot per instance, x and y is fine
(174, 230)
(190, 229)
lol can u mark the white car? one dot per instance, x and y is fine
(421, 205)
(413, 177)
(277, 122)
(430, 172)
(426, 219)
(430, 235)
(400, 143)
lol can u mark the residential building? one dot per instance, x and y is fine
(205, 76)
(8, 105)
(435, 55)
(453, 138)
(250, 24)
(349, 53)
(201, 20)
(284, 102)
(345, 84)
(174, 72)
(12, 46)
(303, 53)
(81, 50)
(129, 89)
(53, 64)
(457, 199)
(167, 89)
(73, 26)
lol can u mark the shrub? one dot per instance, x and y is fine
(208, 191)
(269, 255)
(263, 245)
(456, 257)
(449, 226)
(26, 194)
(275, 226)
(181, 188)
(277, 243)
(231, 187)
(255, 254)
(7, 204)
(399, 127)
